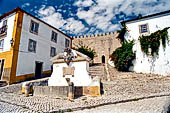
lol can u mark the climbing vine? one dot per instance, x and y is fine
(122, 33)
(152, 41)
(123, 56)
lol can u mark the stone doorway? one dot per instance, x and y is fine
(103, 59)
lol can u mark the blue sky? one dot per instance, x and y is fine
(80, 17)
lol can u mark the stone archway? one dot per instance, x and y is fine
(103, 59)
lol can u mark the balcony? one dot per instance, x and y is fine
(3, 30)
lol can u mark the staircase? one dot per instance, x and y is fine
(97, 70)
(3, 83)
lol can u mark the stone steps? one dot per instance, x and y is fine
(97, 70)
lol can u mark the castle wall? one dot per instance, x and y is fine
(103, 44)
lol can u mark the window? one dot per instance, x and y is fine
(32, 46)
(67, 43)
(54, 37)
(53, 52)
(34, 27)
(144, 28)
(1, 44)
(4, 23)
(3, 29)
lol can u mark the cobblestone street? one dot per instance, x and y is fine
(125, 88)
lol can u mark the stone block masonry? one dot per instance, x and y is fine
(62, 91)
(51, 91)
(103, 44)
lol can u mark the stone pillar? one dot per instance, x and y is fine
(71, 91)
(27, 90)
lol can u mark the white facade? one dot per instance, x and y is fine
(159, 64)
(26, 59)
(81, 75)
(6, 45)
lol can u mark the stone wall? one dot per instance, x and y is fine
(92, 91)
(62, 91)
(103, 44)
(51, 91)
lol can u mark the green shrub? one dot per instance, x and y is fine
(122, 33)
(123, 56)
(87, 51)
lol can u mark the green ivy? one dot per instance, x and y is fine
(122, 33)
(153, 41)
(123, 56)
(87, 51)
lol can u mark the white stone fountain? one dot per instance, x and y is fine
(70, 66)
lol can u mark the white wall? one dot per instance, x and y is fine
(8, 37)
(81, 75)
(26, 59)
(148, 64)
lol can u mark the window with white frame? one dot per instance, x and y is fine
(34, 27)
(144, 28)
(32, 46)
(54, 37)
(53, 51)
(67, 43)
(4, 23)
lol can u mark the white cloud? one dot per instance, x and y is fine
(25, 5)
(102, 13)
(46, 11)
(83, 3)
(75, 26)
(54, 18)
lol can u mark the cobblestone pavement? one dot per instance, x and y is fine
(152, 105)
(127, 87)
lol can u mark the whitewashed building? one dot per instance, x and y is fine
(158, 64)
(26, 46)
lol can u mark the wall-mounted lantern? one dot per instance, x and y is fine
(11, 41)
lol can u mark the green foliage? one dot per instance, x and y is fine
(153, 41)
(86, 50)
(122, 33)
(123, 56)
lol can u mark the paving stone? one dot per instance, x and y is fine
(126, 86)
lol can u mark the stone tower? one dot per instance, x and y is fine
(103, 44)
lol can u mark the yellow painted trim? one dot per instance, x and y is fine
(15, 48)
(29, 76)
(46, 72)
(7, 65)
(24, 77)
(11, 57)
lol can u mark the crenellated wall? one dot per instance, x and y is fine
(103, 44)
